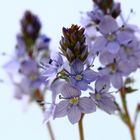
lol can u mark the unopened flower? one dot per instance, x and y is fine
(73, 43)
(30, 26)
(108, 7)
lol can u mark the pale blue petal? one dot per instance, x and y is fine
(108, 25)
(99, 44)
(74, 114)
(77, 67)
(125, 37)
(61, 109)
(107, 58)
(108, 106)
(90, 75)
(69, 91)
(102, 84)
(82, 85)
(117, 81)
(113, 47)
(86, 105)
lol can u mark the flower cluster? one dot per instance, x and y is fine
(116, 42)
(72, 72)
(70, 75)
(31, 47)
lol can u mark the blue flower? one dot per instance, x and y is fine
(51, 67)
(81, 77)
(72, 105)
(103, 99)
(112, 38)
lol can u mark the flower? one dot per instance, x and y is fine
(81, 77)
(96, 15)
(42, 43)
(112, 38)
(103, 99)
(51, 67)
(115, 73)
(72, 105)
(131, 54)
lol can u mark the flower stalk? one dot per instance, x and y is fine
(80, 125)
(51, 133)
(128, 120)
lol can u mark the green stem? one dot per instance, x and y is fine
(80, 125)
(127, 115)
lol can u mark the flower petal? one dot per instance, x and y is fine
(107, 58)
(77, 67)
(108, 25)
(74, 114)
(69, 91)
(107, 105)
(49, 112)
(125, 37)
(86, 105)
(90, 75)
(99, 44)
(117, 81)
(61, 109)
(102, 84)
(82, 85)
(56, 88)
(113, 47)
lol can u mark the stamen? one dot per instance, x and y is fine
(111, 37)
(98, 96)
(74, 100)
(78, 77)
(127, 19)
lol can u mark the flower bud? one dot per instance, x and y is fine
(104, 5)
(73, 43)
(30, 26)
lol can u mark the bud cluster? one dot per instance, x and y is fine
(73, 43)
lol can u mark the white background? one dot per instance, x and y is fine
(19, 121)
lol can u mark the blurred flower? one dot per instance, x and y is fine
(51, 67)
(30, 26)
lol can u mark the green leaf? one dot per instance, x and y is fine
(130, 89)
